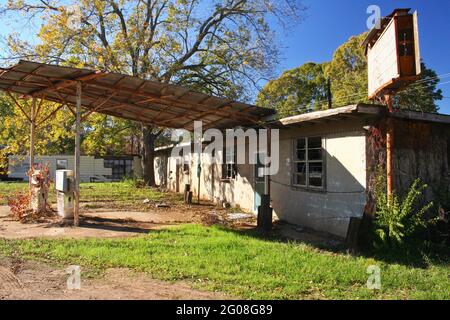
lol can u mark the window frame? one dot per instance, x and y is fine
(66, 167)
(307, 163)
(229, 167)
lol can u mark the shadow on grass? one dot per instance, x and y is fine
(417, 255)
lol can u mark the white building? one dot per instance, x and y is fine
(109, 168)
(328, 166)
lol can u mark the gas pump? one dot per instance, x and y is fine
(65, 188)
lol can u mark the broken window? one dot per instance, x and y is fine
(308, 168)
(229, 167)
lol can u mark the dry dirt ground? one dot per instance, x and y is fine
(33, 280)
(37, 281)
(101, 223)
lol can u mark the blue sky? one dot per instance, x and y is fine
(326, 24)
(329, 23)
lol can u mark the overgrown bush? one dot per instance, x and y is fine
(399, 220)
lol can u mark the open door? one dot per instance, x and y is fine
(259, 180)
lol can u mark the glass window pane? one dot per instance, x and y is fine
(301, 143)
(315, 169)
(300, 167)
(315, 182)
(300, 179)
(315, 142)
(301, 155)
(315, 154)
(61, 164)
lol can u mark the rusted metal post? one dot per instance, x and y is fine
(76, 215)
(32, 131)
(32, 141)
(389, 148)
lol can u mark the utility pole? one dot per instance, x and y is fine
(330, 99)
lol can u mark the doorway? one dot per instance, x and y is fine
(259, 180)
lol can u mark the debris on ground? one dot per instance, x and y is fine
(146, 201)
(210, 218)
(19, 205)
(239, 216)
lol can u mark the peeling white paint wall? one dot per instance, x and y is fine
(329, 210)
(343, 197)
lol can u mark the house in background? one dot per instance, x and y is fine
(329, 163)
(108, 168)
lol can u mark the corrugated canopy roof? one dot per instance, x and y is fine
(128, 97)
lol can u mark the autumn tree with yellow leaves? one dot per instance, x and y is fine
(219, 47)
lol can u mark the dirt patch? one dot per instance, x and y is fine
(103, 223)
(38, 281)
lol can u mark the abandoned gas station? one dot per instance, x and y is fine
(119, 95)
(329, 160)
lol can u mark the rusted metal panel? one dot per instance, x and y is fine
(129, 97)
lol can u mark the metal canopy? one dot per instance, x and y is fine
(128, 97)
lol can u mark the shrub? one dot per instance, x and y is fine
(399, 220)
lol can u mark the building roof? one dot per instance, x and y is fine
(128, 97)
(362, 111)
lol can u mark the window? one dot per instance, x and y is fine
(229, 167)
(61, 164)
(120, 168)
(308, 168)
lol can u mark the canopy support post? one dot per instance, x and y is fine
(76, 216)
(32, 136)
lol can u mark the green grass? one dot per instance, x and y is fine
(113, 194)
(242, 265)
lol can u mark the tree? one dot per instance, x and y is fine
(348, 72)
(52, 128)
(305, 85)
(221, 47)
(421, 96)
(301, 90)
